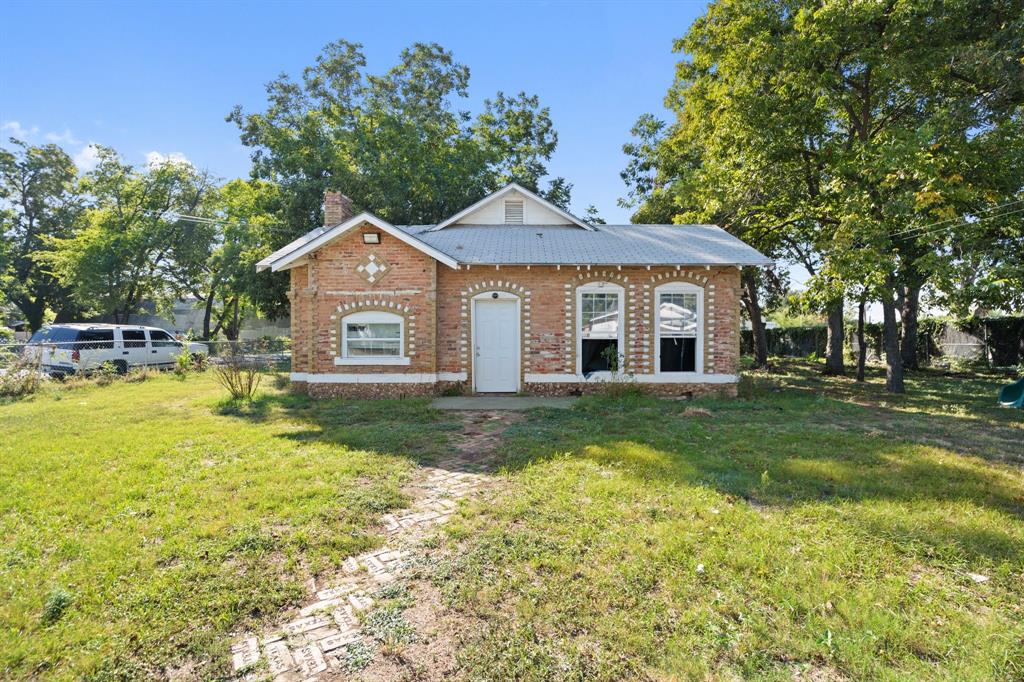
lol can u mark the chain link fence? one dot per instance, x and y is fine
(71, 354)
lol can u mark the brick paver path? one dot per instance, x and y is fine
(308, 645)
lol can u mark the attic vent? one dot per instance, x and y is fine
(513, 212)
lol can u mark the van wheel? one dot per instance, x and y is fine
(121, 366)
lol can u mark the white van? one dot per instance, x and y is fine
(70, 348)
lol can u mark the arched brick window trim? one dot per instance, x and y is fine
(710, 318)
(630, 332)
(408, 313)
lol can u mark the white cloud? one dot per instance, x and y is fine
(87, 157)
(15, 129)
(155, 158)
(62, 138)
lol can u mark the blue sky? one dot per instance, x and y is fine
(150, 78)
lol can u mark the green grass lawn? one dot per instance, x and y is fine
(814, 528)
(141, 523)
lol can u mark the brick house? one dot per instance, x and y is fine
(511, 295)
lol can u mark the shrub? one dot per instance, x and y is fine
(57, 602)
(241, 378)
(183, 363)
(21, 376)
(200, 362)
(105, 374)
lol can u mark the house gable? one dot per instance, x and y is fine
(513, 205)
(293, 254)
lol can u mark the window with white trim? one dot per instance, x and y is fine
(600, 346)
(372, 338)
(680, 327)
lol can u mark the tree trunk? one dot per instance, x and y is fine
(834, 345)
(753, 307)
(33, 310)
(908, 314)
(890, 336)
(207, 314)
(862, 354)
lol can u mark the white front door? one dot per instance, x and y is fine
(496, 341)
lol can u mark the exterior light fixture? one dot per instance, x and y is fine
(371, 237)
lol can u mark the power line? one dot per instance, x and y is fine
(957, 219)
(922, 231)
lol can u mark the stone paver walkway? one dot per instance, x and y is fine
(309, 646)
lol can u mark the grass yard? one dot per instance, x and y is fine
(140, 523)
(815, 529)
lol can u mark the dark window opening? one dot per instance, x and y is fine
(679, 355)
(597, 353)
(161, 339)
(133, 338)
(94, 339)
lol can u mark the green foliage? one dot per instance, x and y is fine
(39, 201)
(57, 602)
(395, 143)
(20, 375)
(356, 657)
(389, 627)
(838, 134)
(130, 247)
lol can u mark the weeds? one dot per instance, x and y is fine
(241, 378)
(21, 377)
(57, 602)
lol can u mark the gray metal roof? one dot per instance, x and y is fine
(606, 245)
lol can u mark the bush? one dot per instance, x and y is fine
(240, 377)
(105, 374)
(21, 376)
(183, 363)
(200, 362)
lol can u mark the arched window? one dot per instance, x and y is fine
(600, 325)
(372, 338)
(679, 333)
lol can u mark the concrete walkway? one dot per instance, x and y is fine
(502, 402)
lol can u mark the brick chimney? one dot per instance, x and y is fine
(337, 208)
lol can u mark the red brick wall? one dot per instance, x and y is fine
(436, 304)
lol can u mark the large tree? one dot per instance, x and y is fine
(124, 253)
(39, 200)
(395, 143)
(854, 126)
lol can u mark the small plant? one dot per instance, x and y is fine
(241, 378)
(200, 362)
(183, 364)
(105, 374)
(21, 376)
(57, 602)
(356, 657)
(389, 627)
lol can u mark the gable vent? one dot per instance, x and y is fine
(513, 212)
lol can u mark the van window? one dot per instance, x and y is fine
(61, 336)
(95, 339)
(133, 338)
(161, 338)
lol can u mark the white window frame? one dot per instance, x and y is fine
(600, 288)
(371, 317)
(679, 288)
